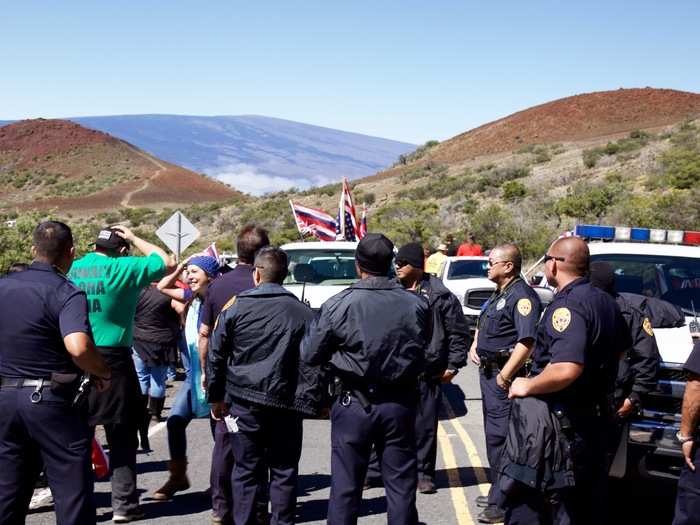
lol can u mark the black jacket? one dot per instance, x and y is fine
(450, 338)
(254, 352)
(536, 453)
(373, 333)
(639, 367)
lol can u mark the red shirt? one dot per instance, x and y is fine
(469, 249)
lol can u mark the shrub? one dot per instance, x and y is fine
(681, 167)
(587, 202)
(513, 190)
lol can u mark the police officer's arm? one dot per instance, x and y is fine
(457, 335)
(644, 360)
(525, 313)
(318, 342)
(690, 417)
(472, 350)
(568, 339)
(75, 329)
(217, 358)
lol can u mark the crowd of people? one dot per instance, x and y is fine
(91, 342)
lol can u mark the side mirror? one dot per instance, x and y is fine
(303, 273)
(545, 294)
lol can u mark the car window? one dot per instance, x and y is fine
(324, 267)
(467, 269)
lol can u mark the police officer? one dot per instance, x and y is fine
(254, 360)
(374, 334)
(450, 340)
(503, 341)
(639, 368)
(688, 496)
(579, 341)
(45, 342)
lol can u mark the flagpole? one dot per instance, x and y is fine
(296, 221)
(341, 210)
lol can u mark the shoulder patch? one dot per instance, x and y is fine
(561, 319)
(524, 306)
(647, 327)
(501, 303)
(228, 305)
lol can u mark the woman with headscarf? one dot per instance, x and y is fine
(190, 401)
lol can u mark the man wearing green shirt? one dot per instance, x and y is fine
(113, 280)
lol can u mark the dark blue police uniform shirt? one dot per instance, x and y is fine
(509, 317)
(692, 365)
(582, 325)
(38, 308)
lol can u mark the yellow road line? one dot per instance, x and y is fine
(459, 499)
(472, 454)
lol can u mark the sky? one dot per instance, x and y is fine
(405, 70)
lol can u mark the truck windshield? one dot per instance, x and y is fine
(324, 267)
(467, 269)
(674, 279)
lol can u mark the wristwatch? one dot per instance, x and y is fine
(683, 439)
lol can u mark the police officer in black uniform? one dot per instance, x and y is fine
(688, 495)
(503, 341)
(45, 344)
(374, 334)
(578, 346)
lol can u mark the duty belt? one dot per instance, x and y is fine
(22, 382)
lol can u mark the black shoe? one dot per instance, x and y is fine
(426, 486)
(491, 514)
(482, 501)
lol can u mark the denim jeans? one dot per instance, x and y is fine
(151, 378)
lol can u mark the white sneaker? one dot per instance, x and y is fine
(134, 515)
(42, 497)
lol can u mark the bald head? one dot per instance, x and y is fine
(574, 251)
(509, 252)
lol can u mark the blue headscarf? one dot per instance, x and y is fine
(208, 264)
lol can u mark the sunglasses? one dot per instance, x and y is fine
(548, 257)
(400, 264)
(494, 263)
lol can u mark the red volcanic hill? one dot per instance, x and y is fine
(60, 164)
(571, 119)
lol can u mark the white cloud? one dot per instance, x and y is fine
(247, 178)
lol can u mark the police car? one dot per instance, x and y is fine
(319, 270)
(663, 264)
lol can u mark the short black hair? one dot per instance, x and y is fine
(250, 239)
(271, 262)
(52, 239)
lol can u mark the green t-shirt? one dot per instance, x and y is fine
(113, 285)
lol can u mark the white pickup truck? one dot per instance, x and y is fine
(319, 270)
(465, 277)
(663, 264)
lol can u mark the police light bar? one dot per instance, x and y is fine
(626, 234)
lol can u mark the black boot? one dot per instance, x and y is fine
(145, 420)
(155, 408)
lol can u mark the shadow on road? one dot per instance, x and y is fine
(317, 510)
(468, 476)
(309, 483)
(455, 396)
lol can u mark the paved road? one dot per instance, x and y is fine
(462, 475)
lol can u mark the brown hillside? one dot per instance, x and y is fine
(60, 164)
(577, 118)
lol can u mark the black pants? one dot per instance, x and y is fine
(221, 472)
(389, 426)
(426, 433)
(267, 438)
(688, 496)
(62, 436)
(123, 443)
(496, 410)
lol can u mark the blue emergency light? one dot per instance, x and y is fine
(626, 234)
(592, 231)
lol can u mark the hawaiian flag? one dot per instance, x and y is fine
(211, 251)
(347, 228)
(363, 224)
(313, 221)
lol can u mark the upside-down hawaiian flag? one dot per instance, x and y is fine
(316, 222)
(211, 251)
(363, 224)
(346, 226)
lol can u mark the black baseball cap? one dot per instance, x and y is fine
(411, 253)
(108, 239)
(374, 254)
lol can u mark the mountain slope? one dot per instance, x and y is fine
(57, 163)
(254, 153)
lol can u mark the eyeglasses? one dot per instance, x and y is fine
(494, 263)
(400, 264)
(548, 257)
